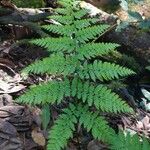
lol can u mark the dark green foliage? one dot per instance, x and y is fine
(45, 116)
(145, 25)
(80, 77)
(129, 142)
(99, 96)
(65, 125)
(148, 68)
(62, 131)
(124, 60)
(29, 3)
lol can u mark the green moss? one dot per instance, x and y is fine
(29, 3)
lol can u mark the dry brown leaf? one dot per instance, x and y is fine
(146, 121)
(6, 88)
(139, 125)
(38, 137)
(10, 84)
(36, 116)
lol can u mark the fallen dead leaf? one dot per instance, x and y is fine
(139, 125)
(146, 121)
(6, 99)
(9, 137)
(10, 84)
(6, 88)
(36, 116)
(38, 137)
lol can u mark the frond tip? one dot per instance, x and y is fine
(103, 71)
(89, 33)
(92, 50)
(56, 64)
(63, 44)
(52, 92)
(62, 131)
(94, 123)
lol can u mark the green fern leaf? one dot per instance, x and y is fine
(99, 96)
(129, 142)
(52, 92)
(63, 44)
(103, 71)
(62, 11)
(94, 123)
(62, 131)
(66, 30)
(80, 13)
(66, 20)
(56, 64)
(83, 23)
(55, 91)
(89, 33)
(74, 75)
(88, 51)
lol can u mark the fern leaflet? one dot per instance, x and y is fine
(62, 131)
(64, 44)
(103, 71)
(89, 51)
(89, 33)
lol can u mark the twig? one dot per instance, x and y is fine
(8, 68)
(111, 28)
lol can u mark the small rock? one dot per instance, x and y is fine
(5, 99)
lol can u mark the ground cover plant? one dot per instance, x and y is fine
(79, 77)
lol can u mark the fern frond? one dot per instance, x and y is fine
(80, 13)
(95, 123)
(62, 131)
(66, 30)
(88, 51)
(68, 62)
(64, 44)
(66, 20)
(62, 11)
(86, 34)
(129, 142)
(103, 71)
(56, 64)
(83, 23)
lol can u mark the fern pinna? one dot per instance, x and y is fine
(74, 59)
